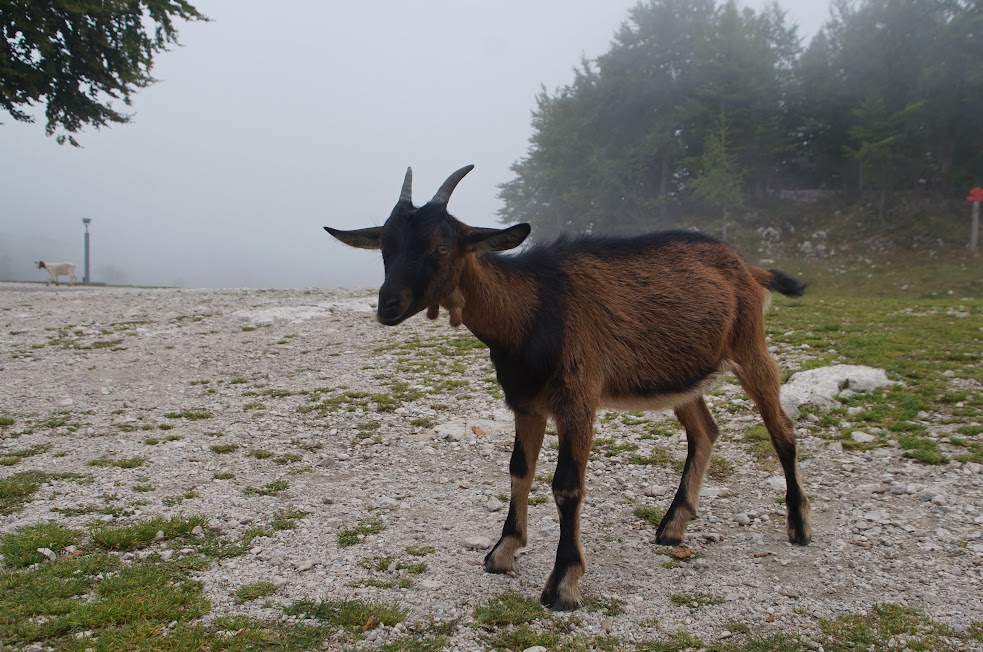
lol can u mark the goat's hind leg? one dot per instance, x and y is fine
(759, 376)
(529, 432)
(701, 433)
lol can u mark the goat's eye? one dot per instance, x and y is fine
(443, 250)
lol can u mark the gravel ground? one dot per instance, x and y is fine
(94, 371)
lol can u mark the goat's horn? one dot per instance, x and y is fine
(406, 194)
(444, 192)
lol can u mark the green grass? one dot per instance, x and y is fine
(658, 456)
(679, 641)
(268, 489)
(610, 446)
(923, 449)
(124, 601)
(21, 548)
(351, 400)
(222, 449)
(256, 590)
(190, 415)
(377, 563)
(695, 599)
(652, 515)
(509, 608)
(420, 551)
(350, 615)
(10, 458)
(758, 443)
(125, 463)
(523, 636)
(18, 489)
(351, 536)
(874, 630)
(605, 605)
(286, 520)
(720, 468)
(398, 583)
(144, 604)
(382, 564)
(177, 499)
(138, 535)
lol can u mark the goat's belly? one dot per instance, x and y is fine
(644, 400)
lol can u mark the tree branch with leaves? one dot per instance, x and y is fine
(78, 56)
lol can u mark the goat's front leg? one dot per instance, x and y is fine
(562, 592)
(529, 431)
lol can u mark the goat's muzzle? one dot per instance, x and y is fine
(394, 307)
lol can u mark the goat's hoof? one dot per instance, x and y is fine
(668, 536)
(665, 539)
(495, 565)
(496, 570)
(801, 535)
(562, 592)
(552, 599)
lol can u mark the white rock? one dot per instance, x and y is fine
(49, 553)
(477, 543)
(656, 491)
(742, 519)
(821, 386)
(862, 437)
(877, 516)
(453, 431)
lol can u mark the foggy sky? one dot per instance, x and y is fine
(275, 119)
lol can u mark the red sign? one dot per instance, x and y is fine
(976, 194)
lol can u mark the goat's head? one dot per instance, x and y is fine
(40, 264)
(424, 250)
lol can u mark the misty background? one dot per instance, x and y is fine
(273, 120)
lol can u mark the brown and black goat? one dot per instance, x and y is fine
(643, 322)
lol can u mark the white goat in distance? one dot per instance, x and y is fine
(58, 269)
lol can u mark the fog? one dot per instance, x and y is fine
(275, 119)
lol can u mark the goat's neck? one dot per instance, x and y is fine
(496, 301)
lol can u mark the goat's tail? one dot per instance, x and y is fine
(778, 281)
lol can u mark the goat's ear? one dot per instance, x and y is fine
(481, 239)
(361, 238)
